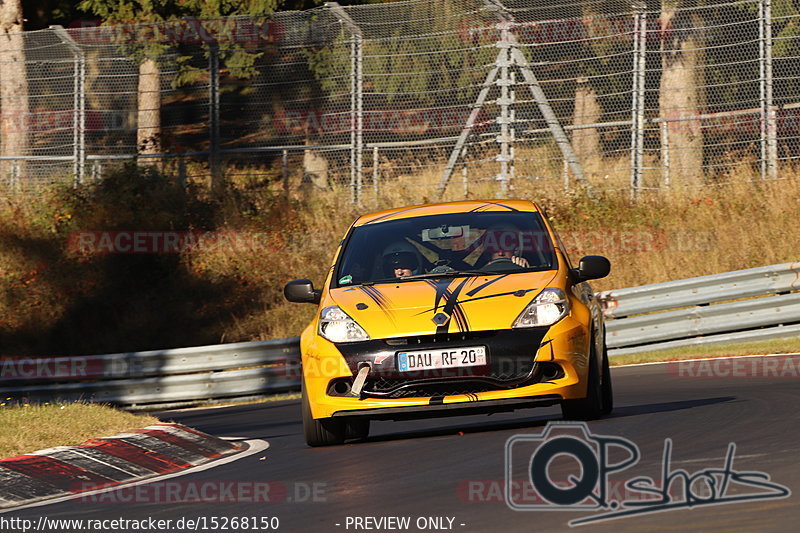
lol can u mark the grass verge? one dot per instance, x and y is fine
(775, 346)
(27, 428)
(57, 298)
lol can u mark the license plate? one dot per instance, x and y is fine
(444, 358)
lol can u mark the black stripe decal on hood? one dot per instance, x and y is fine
(479, 288)
(376, 296)
(510, 293)
(451, 306)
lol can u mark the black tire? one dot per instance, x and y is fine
(608, 390)
(357, 428)
(320, 431)
(590, 407)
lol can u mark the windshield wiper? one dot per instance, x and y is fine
(445, 274)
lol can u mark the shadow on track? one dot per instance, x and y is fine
(524, 423)
(256, 423)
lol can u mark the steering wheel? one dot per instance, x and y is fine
(501, 264)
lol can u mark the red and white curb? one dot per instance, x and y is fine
(99, 463)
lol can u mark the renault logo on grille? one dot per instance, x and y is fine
(440, 319)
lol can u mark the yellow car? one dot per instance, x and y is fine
(452, 308)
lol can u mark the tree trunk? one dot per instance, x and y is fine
(586, 141)
(148, 132)
(13, 88)
(681, 92)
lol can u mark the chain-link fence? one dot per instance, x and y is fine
(441, 94)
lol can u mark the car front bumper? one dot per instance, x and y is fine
(509, 381)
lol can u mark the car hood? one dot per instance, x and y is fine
(425, 307)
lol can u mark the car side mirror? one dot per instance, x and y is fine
(301, 291)
(591, 267)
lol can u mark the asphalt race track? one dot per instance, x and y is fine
(454, 467)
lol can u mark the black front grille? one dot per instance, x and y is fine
(381, 387)
(394, 388)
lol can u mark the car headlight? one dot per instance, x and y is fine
(547, 308)
(336, 326)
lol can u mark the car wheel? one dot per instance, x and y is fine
(357, 428)
(608, 392)
(591, 407)
(320, 431)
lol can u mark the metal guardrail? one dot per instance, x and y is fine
(757, 304)
(159, 378)
(759, 281)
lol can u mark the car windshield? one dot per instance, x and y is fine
(473, 243)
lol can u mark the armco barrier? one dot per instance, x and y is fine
(159, 378)
(740, 306)
(733, 307)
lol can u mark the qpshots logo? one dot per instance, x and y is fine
(568, 468)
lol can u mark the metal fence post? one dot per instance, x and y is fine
(504, 102)
(78, 104)
(359, 129)
(512, 131)
(16, 183)
(97, 170)
(465, 180)
(638, 107)
(769, 144)
(375, 172)
(464, 171)
(665, 163)
(285, 171)
(356, 100)
(213, 116)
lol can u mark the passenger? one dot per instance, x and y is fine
(503, 245)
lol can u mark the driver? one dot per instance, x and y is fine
(401, 259)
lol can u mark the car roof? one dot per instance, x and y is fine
(447, 207)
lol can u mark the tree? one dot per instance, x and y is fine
(148, 137)
(13, 83)
(586, 141)
(681, 93)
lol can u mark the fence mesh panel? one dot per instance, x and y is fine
(419, 93)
